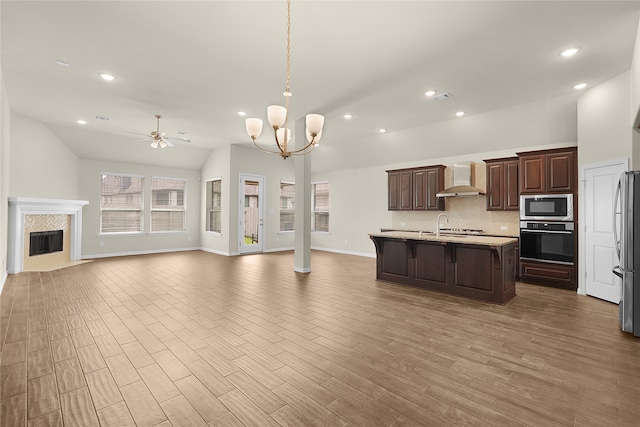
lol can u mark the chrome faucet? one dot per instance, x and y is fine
(446, 218)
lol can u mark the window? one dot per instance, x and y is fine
(168, 204)
(121, 203)
(320, 207)
(214, 203)
(287, 205)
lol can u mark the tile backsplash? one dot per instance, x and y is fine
(462, 212)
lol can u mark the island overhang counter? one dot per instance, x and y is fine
(478, 267)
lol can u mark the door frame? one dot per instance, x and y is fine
(259, 247)
(582, 249)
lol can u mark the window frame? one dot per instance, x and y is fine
(140, 211)
(156, 209)
(315, 211)
(209, 208)
(281, 210)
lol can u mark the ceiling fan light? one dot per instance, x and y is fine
(154, 144)
(163, 144)
(276, 115)
(280, 135)
(314, 123)
(254, 127)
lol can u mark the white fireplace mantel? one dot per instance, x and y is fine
(21, 206)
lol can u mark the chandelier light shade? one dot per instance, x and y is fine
(278, 116)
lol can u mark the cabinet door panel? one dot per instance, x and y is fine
(420, 189)
(431, 262)
(393, 186)
(532, 174)
(560, 172)
(406, 190)
(435, 184)
(495, 184)
(474, 268)
(511, 197)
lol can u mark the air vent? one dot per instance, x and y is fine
(104, 118)
(442, 96)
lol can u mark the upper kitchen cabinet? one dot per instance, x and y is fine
(416, 188)
(548, 171)
(502, 184)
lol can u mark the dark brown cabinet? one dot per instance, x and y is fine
(416, 188)
(502, 184)
(486, 273)
(556, 275)
(548, 171)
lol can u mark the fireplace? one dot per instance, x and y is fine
(43, 233)
(45, 242)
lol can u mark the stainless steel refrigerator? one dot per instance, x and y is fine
(627, 241)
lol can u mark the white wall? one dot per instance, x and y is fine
(4, 178)
(42, 165)
(90, 187)
(217, 166)
(604, 121)
(635, 99)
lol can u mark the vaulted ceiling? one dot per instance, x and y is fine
(198, 63)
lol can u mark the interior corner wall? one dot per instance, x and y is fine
(42, 166)
(4, 178)
(250, 160)
(604, 127)
(217, 166)
(95, 245)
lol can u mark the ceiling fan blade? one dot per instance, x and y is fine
(175, 139)
(138, 133)
(169, 144)
(144, 139)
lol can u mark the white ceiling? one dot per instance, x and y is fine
(199, 63)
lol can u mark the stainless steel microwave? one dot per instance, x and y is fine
(547, 207)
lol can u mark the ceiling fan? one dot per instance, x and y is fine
(158, 138)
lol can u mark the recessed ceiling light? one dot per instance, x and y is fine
(460, 113)
(348, 116)
(107, 77)
(580, 86)
(382, 130)
(569, 52)
(430, 93)
(82, 122)
(242, 113)
(103, 118)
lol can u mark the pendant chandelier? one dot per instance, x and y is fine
(278, 116)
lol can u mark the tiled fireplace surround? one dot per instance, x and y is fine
(27, 215)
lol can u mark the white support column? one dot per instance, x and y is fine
(302, 248)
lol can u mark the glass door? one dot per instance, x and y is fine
(251, 212)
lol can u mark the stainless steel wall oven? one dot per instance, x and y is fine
(547, 241)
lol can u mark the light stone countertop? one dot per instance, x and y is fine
(447, 238)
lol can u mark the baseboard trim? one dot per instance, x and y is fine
(301, 270)
(338, 251)
(157, 251)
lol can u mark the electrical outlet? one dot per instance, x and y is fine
(503, 227)
(276, 240)
(345, 241)
(189, 238)
(402, 224)
(101, 243)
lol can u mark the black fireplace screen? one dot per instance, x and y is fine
(45, 242)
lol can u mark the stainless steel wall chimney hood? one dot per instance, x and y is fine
(463, 173)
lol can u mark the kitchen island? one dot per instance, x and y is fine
(472, 266)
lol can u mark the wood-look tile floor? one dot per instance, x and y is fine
(199, 339)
